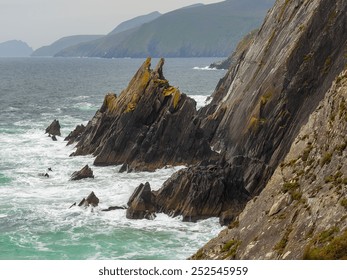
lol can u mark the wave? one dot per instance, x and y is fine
(206, 68)
(201, 100)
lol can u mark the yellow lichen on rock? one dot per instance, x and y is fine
(111, 102)
(175, 93)
(176, 98)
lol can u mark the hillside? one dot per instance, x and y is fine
(15, 48)
(201, 30)
(135, 22)
(63, 43)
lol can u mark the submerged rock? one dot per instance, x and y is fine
(151, 124)
(54, 128)
(113, 208)
(85, 172)
(141, 203)
(91, 200)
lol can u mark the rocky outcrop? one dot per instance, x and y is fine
(242, 46)
(203, 191)
(302, 211)
(151, 124)
(75, 135)
(141, 203)
(85, 172)
(54, 128)
(91, 200)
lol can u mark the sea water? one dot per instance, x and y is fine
(36, 221)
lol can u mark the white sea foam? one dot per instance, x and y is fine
(201, 100)
(206, 68)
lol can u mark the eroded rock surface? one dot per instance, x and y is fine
(85, 172)
(54, 128)
(203, 191)
(151, 124)
(301, 214)
(141, 203)
(91, 200)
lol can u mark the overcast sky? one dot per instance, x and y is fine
(40, 22)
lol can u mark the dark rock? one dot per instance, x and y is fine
(91, 200)
(150, 125)
(113, 208)
(201, 192)
(75, 135)
(85, 172)
(74, 204)
(54, 128)
(141, 203)
(44, 175)
(54, 138)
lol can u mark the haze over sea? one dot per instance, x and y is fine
(35, 219)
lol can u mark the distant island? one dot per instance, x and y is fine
(15, 48)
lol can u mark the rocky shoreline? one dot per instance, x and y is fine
(277, 79)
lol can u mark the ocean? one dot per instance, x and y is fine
(36, 222)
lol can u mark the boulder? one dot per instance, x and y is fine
(75, 134)
(85, 172)
(54, 128)
(91, 200)
(141, 203)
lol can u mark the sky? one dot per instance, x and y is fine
(41, 22)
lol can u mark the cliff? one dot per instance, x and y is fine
(301, 213)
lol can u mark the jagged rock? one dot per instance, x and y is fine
(91, 200)
(54, 138)
(75, 135)
(201, 192)
(85, 172)
(242, 46)
(54, 128)
(150, 125)
(141, 203)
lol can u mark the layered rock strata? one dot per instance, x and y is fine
(151, 124)
(273, 86)
(301, 214)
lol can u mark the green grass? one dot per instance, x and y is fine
(327, 246)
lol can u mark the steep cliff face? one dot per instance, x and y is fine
(151, 124)
(273, 87)
(303, 209)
